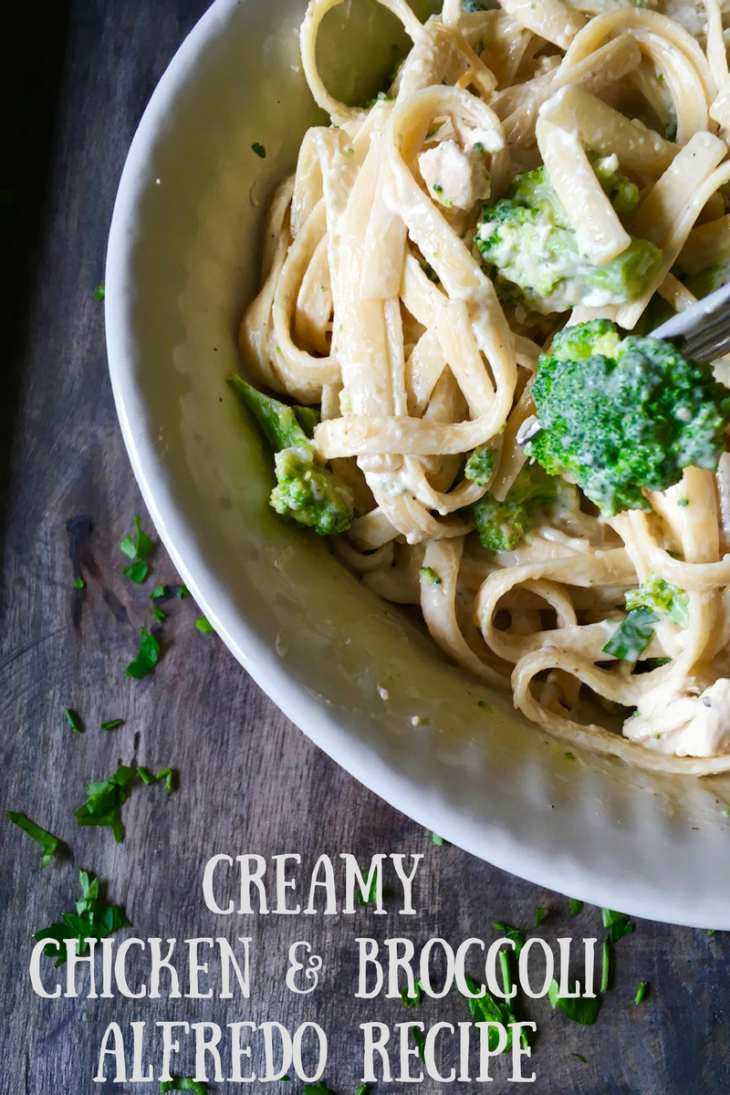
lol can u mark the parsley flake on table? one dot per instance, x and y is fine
(79, 583)
(147, 658)
(641, 993)
(575, 906)
(437, 840)
(412, 1001)
(182, 592)
(539, 915)
(138, 549)
(159, 592)
(618, 924)
(420, 1042)
(73, 720)
(94, 918)
(183, 1083)
(259, 150)
(581, 1009)
(112, 724)
(106, 798)
(509, 932)
(158, 614)
(48, 842)
(204, 625)
(605, 964)
(100, 292)
(485, 1009)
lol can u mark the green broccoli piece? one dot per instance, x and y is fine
(479, 465)
(629, 420)
(502, 525)
(477, 5)
(530, 251)
(661, 598)
(706, 281)
(306, 490)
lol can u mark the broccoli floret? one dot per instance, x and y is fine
(707, 280)
(306, 490)
(530, 250)
(477, 5)
(631, 421)
(501, 525)
(661, 598)
(479, 465)
(310, 493)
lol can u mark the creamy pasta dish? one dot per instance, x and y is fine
(450, 356)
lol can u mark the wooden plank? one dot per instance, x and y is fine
(249, 780)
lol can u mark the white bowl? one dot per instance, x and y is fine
(362, 681)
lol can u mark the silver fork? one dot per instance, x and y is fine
(702, 331)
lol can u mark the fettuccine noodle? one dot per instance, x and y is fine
(376, 307)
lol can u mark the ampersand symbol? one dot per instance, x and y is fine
(312, 965)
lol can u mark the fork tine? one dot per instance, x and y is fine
(701, 331)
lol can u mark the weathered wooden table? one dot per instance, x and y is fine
(75, 76)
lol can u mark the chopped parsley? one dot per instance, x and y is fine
(112, 724)
(204, 625)
(579, 1057)
(484, 705)
(641, 993)
(183, 592)
(437, 840)
(411, 1001)
(539, 916)
(605, 963)
(514, 934)
(106, 797)
(372, 891)
(79, 583)
(48, 842)
(632, 636)
(138, 549)
(147, 658)
(183, 1083)
(617, 923)
(159, 592)
(568, 756)
(94, 918)
(259, 150)
(486, 1009)
(74, 721)
(137, 572)
(429, 575)
(575, 906)
(580, 1009)
(100, 292)
(420, 1042)
(158, 614)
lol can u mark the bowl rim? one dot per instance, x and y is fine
(429, 807)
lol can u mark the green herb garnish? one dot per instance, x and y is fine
(411, 1001)
(94, 918)
(575, 906)
(632, 636)
(105, 798)
(259, 150)
(486, 1009)
(100, 292)
(204, 625)
(147, 658)
(617, 923)
(49, 843)
(605, 959)
(138, 549)
(79, 583)
(580, 1009)
(539, 916)
(437, 840)
(158, 614)
(641, 993)
(74, 721)
(183, 1083)
(112, 724)
(429, 575)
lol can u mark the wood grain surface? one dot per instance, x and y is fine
(75, 77)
